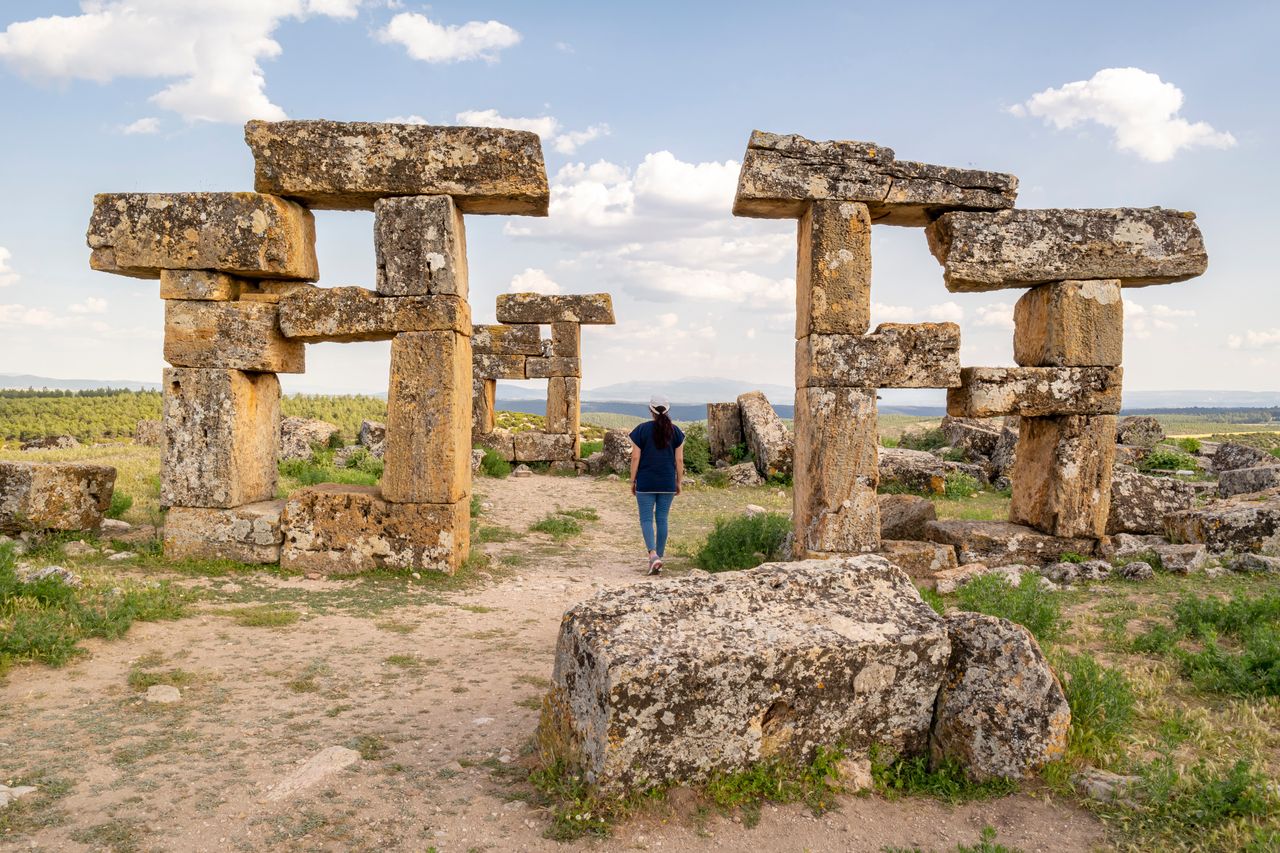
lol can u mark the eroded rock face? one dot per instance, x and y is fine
(246, 534)
(923, 561)
(202, 284)
(987, 392)
(1242, 481)
(780, 173)
(149, 433)
(976, 437)
(53, 495)
(833, 272)
(1139, 431)
(247, 234)
(300, 436)
(563, 405)
(240, 335)
(584, 308)
(673, 680)
(1024, 248)
(1000, 543)
(1069, 324)
(341, 530)
(771, 443)
(1001, 711)
(895, 355)
(904, 516)
(1140, 503)
(346, 314)
(421, 246)
(1229, 456)
(724, 429)
(836, 473)
(1235, 524)
(744, 474)
(1062, 479)
(334, 165)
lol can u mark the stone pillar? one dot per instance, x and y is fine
(724, 429)
(483, 402)
(1062, 476)
(836, 472)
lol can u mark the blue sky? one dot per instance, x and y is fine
(645, 112)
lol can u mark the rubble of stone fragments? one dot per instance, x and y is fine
(515, 349)
(236, 272)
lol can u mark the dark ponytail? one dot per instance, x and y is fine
(663, 430)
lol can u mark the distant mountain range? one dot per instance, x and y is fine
(23, 381)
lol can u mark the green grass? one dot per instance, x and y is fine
(320, 468)
(1188, 445)
(815, 784)
(495, 533)
(557, 526)
(1102, 706)
(120, 504)
(262, 616)
(743, 542)
(897, 777)
(958, 485)
(1167, 459)
(581, 514)
(928, 440)
(586, 448)
(1038, 610)
(493, 465)
(142, 677)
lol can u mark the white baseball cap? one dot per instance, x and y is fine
(659, 404)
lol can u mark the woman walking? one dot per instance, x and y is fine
(657, 467)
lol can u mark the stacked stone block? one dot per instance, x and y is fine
(236, 273)
(515, 349)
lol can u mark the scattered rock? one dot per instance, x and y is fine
(1255, 564)
(477, 456)
(921, 471)
(744, 474)
(976, 437)
(299, 436)
(163, 694)
(617, 451)
(1231, 455)
(923, 560)
(1182, 559)
(1236, 524)
(904, 516)
(752, 510)
(318, 768)
(1136, 570)
(9, 795)
(1128, 544)
(373, 437)
(855, 774)
(32, 575)
(1139, 431)
(114, 527)
(78, 549)
(1106, 787)
(1241, 481)
(1069, 573)
(122, 556)
(522, 470)
(51, 442)
(1000, 543)
(949, 580)
(1140, 503)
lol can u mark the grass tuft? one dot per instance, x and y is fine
(896, 777)
(1027, 604)
(743, 542)
(1102, 706)
(557, 526)
(493, 465)
(261, 616)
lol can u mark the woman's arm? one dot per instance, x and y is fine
(679, 467)
(635, 466)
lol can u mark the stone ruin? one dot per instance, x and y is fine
(37, 496)
(236, 271)
(1067, 340)
(514, 349)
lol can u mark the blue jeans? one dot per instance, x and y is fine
(654, 506)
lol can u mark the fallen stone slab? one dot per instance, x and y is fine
(895, 355)
(835, 471)
(51, 442)
(1231, 455)
(54, 495)
(781, 173)
(334, 165)
(977, 437)
(904, 516)
(1241, 481)
(922, 561)
(771, 443)
(1001, 712)
(724, 429)
(1107, 787)
(420, 244)
(986, 392)
(588, 309)
(920, 471)
(1002, 543)
(163, 694)
(1139, 502)
(246, 234)
(373, 437)
(1139, 431)
(833, 271)
(1062, 479)
(345, 314)
(674, 680)
(247, 534)
(337, 529)
(500, 441)
(744, 474)
(1025, 248)
(1235, 524)
(238, 335)
(9, 795)
(523, 339)
(318, 768)
(1255, 564)
(1069, 324)
(1182, 559)
(533, 446)
(1069, 572)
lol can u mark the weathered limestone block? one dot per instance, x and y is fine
(428, 454)
(538, 367)
(149, 433)
(506, 340)
(1139, 431)
(1062, 479)
(744, 474)
(373, 437)
(492, 366)
(1230, 456)
(54, 495)
(588, 309)
(999, 543)
(1069, 324)
(977, 437)
(563, 396)
(904, 516)
(531, 446)
(202, 284)
(921, 471)
(300, 436)
(986, 392)
(500, 441)
(246, 534)
(483, 404)
(1001, 712)
(780, 173)
(920, 560)
(421, 246)
(566, 340)
(1241, 481)
(239, 335)
(674, 680)
(357, 314)
(833, 269)
(950, 580)
(617, 450)
(221, 432)
(1139, 503)
(895, 355)
(247, 234)
(350, 165)
(1238, 524)
(835, 504)
(724, 429)
(771, 443)
(1024, 248)
(341, 530)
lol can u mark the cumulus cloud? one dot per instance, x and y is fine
(91, 305)
(691, 186)
(997, 315)
(1143, 320)
(1255, 339)
(942, 312)
(533, 281)
(21, 315)
(428, 41)
(142, 126)
(7, 275)
(1140, 109)
(548, 127)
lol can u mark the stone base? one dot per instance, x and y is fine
(341, 530)
(246, 534)
(500, 441)
(53, 495)
(1001, 543)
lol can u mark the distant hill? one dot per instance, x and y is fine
(693, 390)
(22, 380)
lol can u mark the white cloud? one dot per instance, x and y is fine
(571, 140)
(533, 281)
(410, 119)
(1142, 320)
(91, 305)
(997, 315)
(7, 275)
(210, 48)
(1139, 108)
(141, 126)
(548, 127)
(664, 282)
(1255, 339)
(428, 41)
(21, 315)
(699, 186)
(942, 312)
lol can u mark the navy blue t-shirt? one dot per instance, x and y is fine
(657, 471)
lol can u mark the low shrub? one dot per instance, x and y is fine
(1167, 459)
(928, 440)
(557, 526)
(1102, 704)
(897, 777)
(320, 468)
(740, 452)
(493, 465)
(1189, 445)
(815, 784)
(1028, 604)
(120, 504)
(697, 452)
(958, 485)
(744, 542)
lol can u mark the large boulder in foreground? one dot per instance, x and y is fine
(673, 680)
(1001, 711)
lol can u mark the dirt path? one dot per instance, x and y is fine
(437, 689)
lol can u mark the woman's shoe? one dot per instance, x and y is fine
(655, 565)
